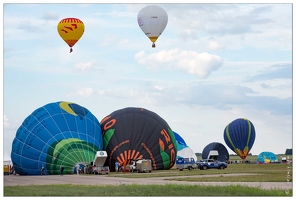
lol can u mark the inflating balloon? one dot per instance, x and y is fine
(239, 136)
(183, 150)
(54, 134)
(152, 20)
(267, 157)
(70, 30)
(223, 154)
(134, 133)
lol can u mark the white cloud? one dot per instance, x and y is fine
(6, 122)
(50, 16)
(84, 66)
(247, 40)
(159, 87)
(85, 92)
(213, 45)
(104, 92)
(200, 64)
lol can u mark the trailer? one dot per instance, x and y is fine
(141, 165)
(98, 163)
(6, 167)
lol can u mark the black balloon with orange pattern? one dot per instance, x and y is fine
(132, 133)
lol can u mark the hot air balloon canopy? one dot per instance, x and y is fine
(223, 154)
(133, 133)
(70, 30)
(183, 150)
(180, 141)
(267, 157)
(239, 136)
(54, 134)
(152, 20)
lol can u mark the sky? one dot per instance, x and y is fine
(212, 64)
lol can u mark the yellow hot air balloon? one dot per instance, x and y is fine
(71, 30)
(152, 20)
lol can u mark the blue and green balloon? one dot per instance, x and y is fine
(54, 134)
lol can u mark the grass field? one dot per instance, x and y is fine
(172, 190)
(259, 173)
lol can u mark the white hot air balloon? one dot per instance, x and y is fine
(152, 20)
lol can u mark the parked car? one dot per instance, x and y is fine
(185, 163)
(211, 164)
(198, 161)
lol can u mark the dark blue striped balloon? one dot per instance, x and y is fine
(239, 136)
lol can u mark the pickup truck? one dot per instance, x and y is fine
(211, 164)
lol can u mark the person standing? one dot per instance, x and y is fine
(116, 166)
(77, 168)
(62, 169)
(42, 170)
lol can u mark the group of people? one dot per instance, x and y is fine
(11, 170)
(78, 169)
(61, 170)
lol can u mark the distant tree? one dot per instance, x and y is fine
(288, 152)
(198, 154)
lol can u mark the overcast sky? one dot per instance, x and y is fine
(213, 63)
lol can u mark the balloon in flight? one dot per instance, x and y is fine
(70, 30)
(152, 20)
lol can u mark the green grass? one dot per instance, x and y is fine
(171, 190)
(257, 173)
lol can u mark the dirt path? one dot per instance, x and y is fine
(12, 180)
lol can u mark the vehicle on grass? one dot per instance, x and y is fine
(140, 165)
(98, 163)
(198, 161)
(185, 163)
(211, 164)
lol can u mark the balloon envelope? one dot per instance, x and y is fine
(180, 141)
(267, 157)
(132, 133)
(70, 30)
(222, 151)
(183, 151)
(239, 136)
(54, 134)
(152, 20)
